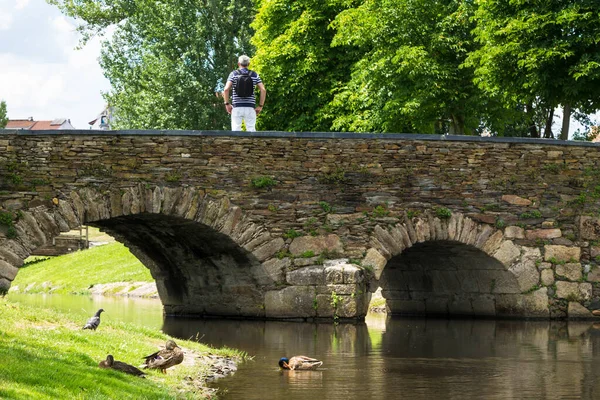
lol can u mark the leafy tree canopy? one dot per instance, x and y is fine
(539, 51)
(166, 60)
(3, 114)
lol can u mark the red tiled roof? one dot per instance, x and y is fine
(32, 125)
(19, 124)
(44, 125)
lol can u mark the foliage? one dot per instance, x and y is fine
(530, 214)
(165, 59)
(263, 182)
(3, 114)
(541, 53)
(407, 78)
(291, 234)
(325, 206)
(443, 213)
(297, 63)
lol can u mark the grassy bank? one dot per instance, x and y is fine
(77, 272)
(46, 355)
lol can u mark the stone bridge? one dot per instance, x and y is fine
(307, 225)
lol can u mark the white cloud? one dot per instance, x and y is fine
(43, 76)
(21, 4)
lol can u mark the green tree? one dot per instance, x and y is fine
(297, 63)
(3, 114)
(166, 60)
(411, 75)
(540, 53)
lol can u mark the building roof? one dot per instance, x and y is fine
(30, 124)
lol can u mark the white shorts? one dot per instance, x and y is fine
(246, 114)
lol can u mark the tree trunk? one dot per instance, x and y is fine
(564, 133)
(533, 132)
(548, 129)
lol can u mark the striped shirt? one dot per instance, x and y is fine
(243, 101)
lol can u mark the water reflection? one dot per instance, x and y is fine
(408, 358)
(139, 311)
(383, 358)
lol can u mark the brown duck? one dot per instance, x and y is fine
(110, 362)
(169, 356)
(300, 363)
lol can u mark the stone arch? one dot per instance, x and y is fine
(238, 241)
(500, 279)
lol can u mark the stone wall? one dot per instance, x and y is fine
(284, 225)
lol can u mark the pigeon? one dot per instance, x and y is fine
(93, 322)
(110, 362)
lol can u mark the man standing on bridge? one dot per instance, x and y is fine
(244, 106)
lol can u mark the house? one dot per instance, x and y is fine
(32, 125)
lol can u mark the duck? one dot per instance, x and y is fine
(300, 363)
(110, 362)
(94, 321)
(168, 357)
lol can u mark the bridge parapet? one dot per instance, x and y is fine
(279, 225)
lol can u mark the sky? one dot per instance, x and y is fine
(42, 75)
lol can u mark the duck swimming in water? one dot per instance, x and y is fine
(166, 358)
(300, 363)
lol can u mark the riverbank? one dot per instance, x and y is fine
(46, 355)
(109, 269)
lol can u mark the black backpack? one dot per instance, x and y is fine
(244, 87)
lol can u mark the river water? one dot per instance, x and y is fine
(383, 358)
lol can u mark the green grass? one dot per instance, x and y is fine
(46, 355)
(77, 272)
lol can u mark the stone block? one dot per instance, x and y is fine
(273, 270)
(484, 306)
(4, 285)
(543, 234)
(268, 249)
(468, 281)
(314, 275)
(589, 227)
(594, 275)
(561, 253)
(460, 306)
(514, 232)
(437, 305)
(526, 273)
(291, 302)
(375, 260)
(342, 289)
(573, 290)
(507, 253)
(516, 200)
(533, 304)
(547, 277)
(571, 271)
(7, 271)
(576, 310)
(324, 308)
(495, 281)
(406, 307)
(544, 265)
(317, 244)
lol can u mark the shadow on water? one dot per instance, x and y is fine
(408, 358)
